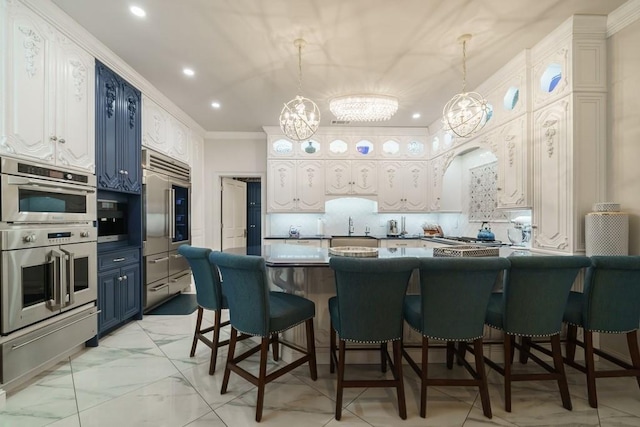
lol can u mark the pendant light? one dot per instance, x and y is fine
(466, 113)
(300, 117)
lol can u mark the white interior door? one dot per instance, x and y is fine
(234, 213)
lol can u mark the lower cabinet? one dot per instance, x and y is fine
(119, 288)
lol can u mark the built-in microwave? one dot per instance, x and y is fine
(112, 220)
(37, 193)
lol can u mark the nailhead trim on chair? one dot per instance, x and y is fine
(523, 335)
(445, 339)
(601, 331)
(274, 332)
(368, 342)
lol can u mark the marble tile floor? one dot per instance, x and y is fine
(141, 375)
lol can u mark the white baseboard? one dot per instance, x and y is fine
(3, 398)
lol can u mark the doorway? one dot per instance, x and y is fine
(241, 212)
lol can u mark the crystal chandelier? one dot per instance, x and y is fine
(466, 112)
(300, 117)
(363, 108)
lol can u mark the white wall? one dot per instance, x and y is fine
(230, 154)
(623, 142)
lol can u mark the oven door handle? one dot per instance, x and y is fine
(16, 180)
(70, 279)
(59, 272)
(172, 197)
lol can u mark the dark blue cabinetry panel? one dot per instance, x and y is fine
(118, 133)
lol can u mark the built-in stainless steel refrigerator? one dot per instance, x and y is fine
(167, 225)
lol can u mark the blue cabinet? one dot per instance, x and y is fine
(118, 133)
(119, 288)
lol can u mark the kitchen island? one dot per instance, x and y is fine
(305, 271)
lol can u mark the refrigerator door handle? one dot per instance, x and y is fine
(172, 214)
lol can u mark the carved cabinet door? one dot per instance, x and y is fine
(338, 176)
(281, 186)
(364, 179)
(390, 191)
(310, 186)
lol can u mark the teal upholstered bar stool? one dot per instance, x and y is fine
(254, 310)
(610, 304)
(532, 304)
(367, 308)
(454, 294)
(209, 297)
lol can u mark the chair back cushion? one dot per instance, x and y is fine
(455, 294)
(370, 294)
(612, 294)
(244, 284)
(535, 293)
(205, 277)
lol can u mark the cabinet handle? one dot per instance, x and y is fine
(499, 189)
(126, 172)
(53, 138)
(120, 279)
(62, 141)
(124, 277)
(118, 259)
(534, 226)
(157, 288)
(155, 261)
(174, 256)
(121, 172)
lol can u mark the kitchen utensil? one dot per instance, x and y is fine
(485, 232)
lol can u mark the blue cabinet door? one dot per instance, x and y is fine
(130, 146)
(108, 299)
(108, 96)
(130, 291)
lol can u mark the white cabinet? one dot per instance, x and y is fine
(402, 186)
(47, 93)
(513, 161)
(429, 244)
(354, 177)
(164, 133)
(295, 186)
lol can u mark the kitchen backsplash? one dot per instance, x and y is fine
(364, 213)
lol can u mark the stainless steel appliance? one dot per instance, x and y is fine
(35, 193)
(392, 228)
(167, 225)
(46, 270)
(112, 220)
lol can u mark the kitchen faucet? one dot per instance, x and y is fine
(351, 228)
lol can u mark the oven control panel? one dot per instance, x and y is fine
(21, 238)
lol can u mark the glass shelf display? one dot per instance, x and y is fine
(364, 147)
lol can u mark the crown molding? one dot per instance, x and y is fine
(215, 135)
(623, 16)
(62, 22)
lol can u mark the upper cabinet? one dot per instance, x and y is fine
(402, 186)
(351, 177)
(47, 92)
(162, 132)
(118, 133)
(295, 186)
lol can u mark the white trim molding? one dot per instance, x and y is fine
(623, 16)
(217, 135)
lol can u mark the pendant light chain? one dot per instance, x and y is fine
(464, 66)
(299, 67)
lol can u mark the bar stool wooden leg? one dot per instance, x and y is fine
(397, 373)
(423, 377)
(275, 346)
(196, 332)
(383, 357)
(232, 348)
(262, 377)
(311, 350)
(341, 357)
(482, 376)
(525, 344)
(508, 352)
(559, 367)
(332, 348)
(217, 319)
(451, 350)
(632, 341)
(591, 373)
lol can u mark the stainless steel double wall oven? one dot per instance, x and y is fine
(167, 225)
(48, 245)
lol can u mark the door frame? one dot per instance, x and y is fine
(213, 230)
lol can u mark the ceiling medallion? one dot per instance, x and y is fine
(364, 108)
(465, 113)
(300, 117)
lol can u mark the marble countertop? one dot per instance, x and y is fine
(282, 255)
(331, 236)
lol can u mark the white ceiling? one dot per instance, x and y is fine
(243, 54)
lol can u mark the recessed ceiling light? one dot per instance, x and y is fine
(416, 115)
(188, 71)
(215, 104)
(138, 11)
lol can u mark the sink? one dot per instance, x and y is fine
(364, 241)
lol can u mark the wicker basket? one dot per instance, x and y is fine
(465, 251)
(354, 251)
